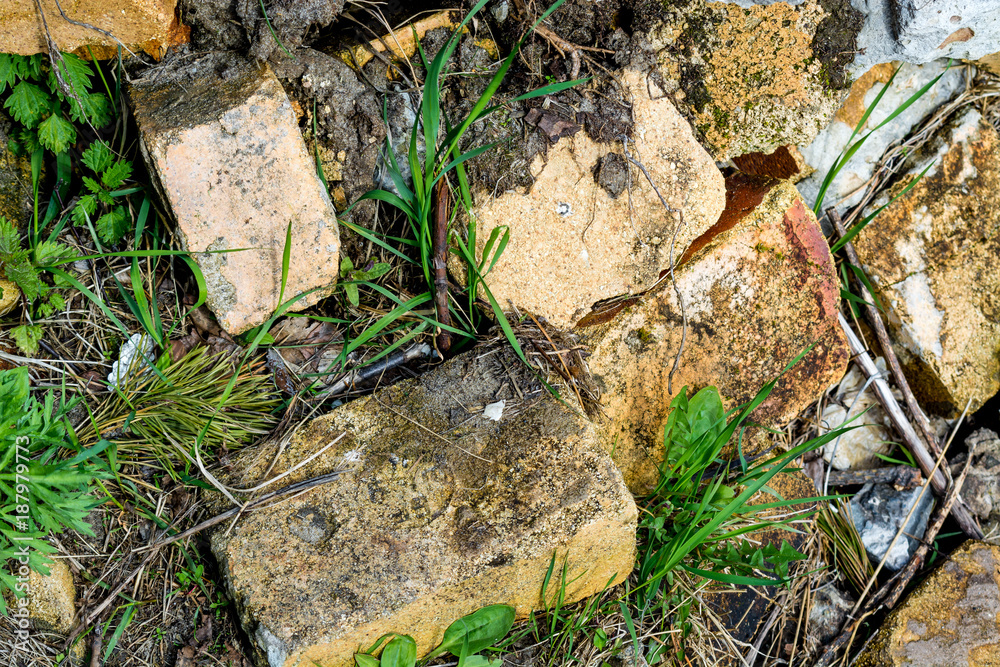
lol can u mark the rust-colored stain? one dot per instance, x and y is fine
(779, 164)
(744, 193)
(853, 109)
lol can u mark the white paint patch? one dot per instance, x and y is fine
(494, 411)
(922, 329)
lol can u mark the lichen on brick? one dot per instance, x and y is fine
(752, 79)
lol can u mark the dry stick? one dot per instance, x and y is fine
(904, 476)
(440, 250)
(154, 548)
(889, 597)
(937, 479)
(883, 339)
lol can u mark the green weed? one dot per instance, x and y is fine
(45, 491)
(443, 155)
(465, 639)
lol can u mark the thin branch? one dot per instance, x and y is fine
(913, 442)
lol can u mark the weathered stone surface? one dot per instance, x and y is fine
(442, 510)
(949, 620)
(757, 291)
(753, 79)
(933, 258)
(15, 180)
(223, 144)
(857, 449)
(142, 25)
(919, 31)
(878, 511)
(981, 490)
(52, 598)
(577, 237)
(848, 187)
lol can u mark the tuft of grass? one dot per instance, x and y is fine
(443, 155)
(696, 518)
(844, 546)
(163, 414)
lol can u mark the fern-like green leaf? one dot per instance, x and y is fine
(19, 270)
(95, 109)
(49, 252)
(76, 73)
(56, 133)
(93, 185)
(28, 103)
(117, 174)
(87, 206)
(113, 225)
(29, 141)
(10, 240)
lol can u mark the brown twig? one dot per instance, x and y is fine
(904, 476)
(442, 204)
(939, 480)
(913, 442)
(884, 342)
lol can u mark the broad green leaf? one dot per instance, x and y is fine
(27, 337)
(56, 133)
(113, 225)
(86, 206)
(98, 156)
(28, 103)
(401, 651)
(365, 660)
(481, 628)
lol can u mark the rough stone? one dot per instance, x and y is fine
(757, 290)
(878, 510)
(15, 180)
(830, 608)
(142, 25)
(224, 149)
(856, 449)
(441, 510)
(52, 601)
(573, 243)
(932, 256)
(919, 31)
(753, 79)
(949, 620)
(848, 187)
(982, 485)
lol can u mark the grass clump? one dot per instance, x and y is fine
(430, 166)
(161, 415)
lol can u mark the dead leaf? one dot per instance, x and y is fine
(203, 634)
(185, 657)
(960, 35)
